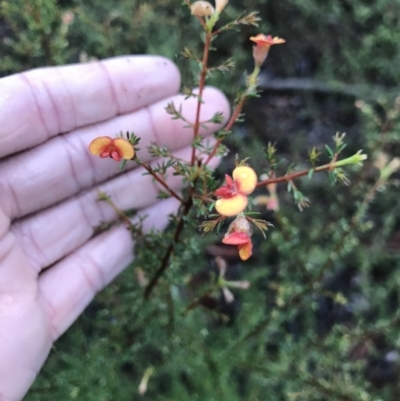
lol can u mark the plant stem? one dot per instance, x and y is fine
(292, 176)
(202, 81)
(188, 203)
(119, 212)
(196, 301)
(162, 182)
(170, 249)
(228, 126)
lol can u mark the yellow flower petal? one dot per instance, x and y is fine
(231, 206)
(98, 145)
(125, 148)
(246, 179)
(245, 250)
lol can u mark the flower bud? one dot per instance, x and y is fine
(260, 54)
(220, 5)
(202, 8)
(241, 225)
(145, 379)
(67, 18)
(263, 44)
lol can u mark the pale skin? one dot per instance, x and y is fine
(51, 264)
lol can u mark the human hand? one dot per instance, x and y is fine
(51, 265)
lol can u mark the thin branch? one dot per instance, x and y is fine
(202, 81)
(228, 126)
(292, 176)
(119, 212)
(162, 182)
(170, 249)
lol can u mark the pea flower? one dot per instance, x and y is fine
(239, 233)
(117, 148)
(263, 44)
(233, 195)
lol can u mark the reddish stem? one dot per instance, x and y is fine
(162, 182)
(188, 203)
(228, 126)
(202, 81)
(170, 249)
(292, 176)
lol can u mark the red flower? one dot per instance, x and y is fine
(243, 242)
(117, 148)
(239, 233)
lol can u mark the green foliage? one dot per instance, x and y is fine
(355, 41)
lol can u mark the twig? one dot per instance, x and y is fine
(119, 212)
(170, 249)
(196, 301)
(202, 80)
(228, 126)
(162, 182)
(188, 203)
(292, 176)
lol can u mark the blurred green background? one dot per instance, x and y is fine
(321, 319)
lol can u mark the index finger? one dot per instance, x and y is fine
(41, 103)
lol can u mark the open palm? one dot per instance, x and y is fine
(51, 264)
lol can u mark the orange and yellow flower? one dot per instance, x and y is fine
(263, 44)
(117, 148)
(266, 40)
(233, 195)
(239, 233)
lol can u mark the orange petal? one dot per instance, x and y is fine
(124, 147)
(246, 179)
(231, 206)
(99, 145)
(266, 41)
(245, 250)
(278, 41)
